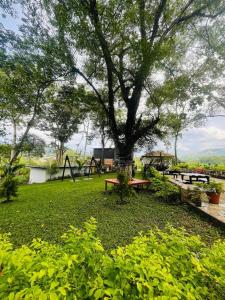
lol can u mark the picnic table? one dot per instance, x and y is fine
(134, 182)
(196, 176)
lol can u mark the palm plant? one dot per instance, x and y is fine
(9, 183)
(80, 163)
(9, 169)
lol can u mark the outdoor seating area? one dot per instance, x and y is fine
(189, 178)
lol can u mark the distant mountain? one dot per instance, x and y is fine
(214, 156)
(211, 152)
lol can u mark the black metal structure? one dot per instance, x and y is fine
(64, 168)
(106, 153)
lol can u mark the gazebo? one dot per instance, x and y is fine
(161, 160)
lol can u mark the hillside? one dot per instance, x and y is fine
(212, 156)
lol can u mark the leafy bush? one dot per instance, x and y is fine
(158, 265)
(23, 171)
(218, 168)
(52, 168)
(161, 187)
(9, 169)
(175, 168)
(211, 187)
(23, 175)
(183, 165)
(123, 189)
(151, 172)
(164, 190)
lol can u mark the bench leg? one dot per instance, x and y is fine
(106, 186)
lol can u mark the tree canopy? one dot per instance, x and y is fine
(122, 53)
(115, 47)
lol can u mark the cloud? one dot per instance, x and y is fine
(214, 133)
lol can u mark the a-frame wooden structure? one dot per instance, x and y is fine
(64, 168)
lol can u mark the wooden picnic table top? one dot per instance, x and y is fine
(194, 174)
(130, 182)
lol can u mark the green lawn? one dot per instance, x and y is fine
(47, 210)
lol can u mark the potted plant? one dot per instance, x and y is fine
(213, 190)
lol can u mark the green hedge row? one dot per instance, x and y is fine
(158, 265)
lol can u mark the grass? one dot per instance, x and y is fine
(47, 210)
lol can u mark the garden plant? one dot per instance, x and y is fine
(123, 189)
(160, 264)
(8, 182)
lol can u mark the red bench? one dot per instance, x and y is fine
(134, 182)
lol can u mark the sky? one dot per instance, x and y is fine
(209, 136)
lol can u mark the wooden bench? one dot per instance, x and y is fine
(139, 183)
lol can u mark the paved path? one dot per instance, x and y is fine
(222, 196)
(216, 211)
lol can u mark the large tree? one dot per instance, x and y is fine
(116, 46)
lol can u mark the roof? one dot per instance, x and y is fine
(159, 153)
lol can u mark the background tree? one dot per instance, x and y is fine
(25, 75)
(62, 116)
(33, 146)
(211, 44)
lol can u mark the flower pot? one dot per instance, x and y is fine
(214, 198)
(198, 203)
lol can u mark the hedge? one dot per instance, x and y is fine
(167, 264)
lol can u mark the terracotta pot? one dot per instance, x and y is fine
(214, 198)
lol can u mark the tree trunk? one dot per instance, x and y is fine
(103, 150)
(60, 153)
(14, 140)
(19, 146)
(125, 154)
(175, 148)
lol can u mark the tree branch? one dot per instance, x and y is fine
(145, 129)
(94, 17)
(76, 70)
(158, 14)
(197, 13)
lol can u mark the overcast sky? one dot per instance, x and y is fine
(212, 135)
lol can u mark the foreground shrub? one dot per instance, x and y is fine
(157, 265)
